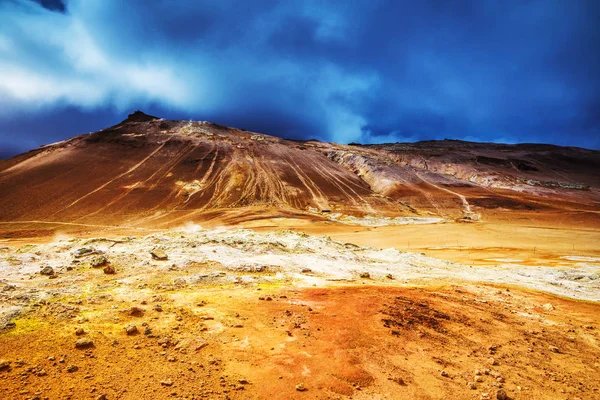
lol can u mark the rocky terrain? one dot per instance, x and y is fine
(195, 313)
(187, 260)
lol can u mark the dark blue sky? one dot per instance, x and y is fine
(363, 71)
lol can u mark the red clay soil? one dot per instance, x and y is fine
(345, 342)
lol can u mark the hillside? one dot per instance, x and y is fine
(147, 171)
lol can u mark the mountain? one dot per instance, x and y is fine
(151, 172)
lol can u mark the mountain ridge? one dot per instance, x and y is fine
(147, 170)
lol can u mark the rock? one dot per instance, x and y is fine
(390, 276)
(158, 307)
(110, 270)
(548, 307)
(492, 361)
(103, 396)
(4, 364)
(131, 329)
(478, 378)
(98, 261)
(243, 381)
(365, 275)
(84, 343)
(300, 387)
(79, 331)
(158, 254)
(136, 311)
(501, 395)
(48, 271)
(167, 382)
(306, 270)
(84, 251)
(179, 282)
(72, 368)
(553, 349)
(471, 386)
(444, 374)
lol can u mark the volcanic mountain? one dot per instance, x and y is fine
(146, 171)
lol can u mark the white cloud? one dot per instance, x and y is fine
(94, 75)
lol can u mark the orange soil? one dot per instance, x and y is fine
(359, 342)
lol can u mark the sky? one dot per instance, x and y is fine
(345, 71)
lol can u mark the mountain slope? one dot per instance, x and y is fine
(150, 172)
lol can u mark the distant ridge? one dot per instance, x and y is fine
(150, 171)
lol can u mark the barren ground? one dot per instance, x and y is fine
(252, 314)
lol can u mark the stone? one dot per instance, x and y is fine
(48, 271)
(492, 361)
(131, 329)
(306, 270)
(72, 368)
(79, 331)
(136, 311)
(84, 251)
(84, 343)
(158, 254)
(4, 364)
(103, 396)
(444, 374)
(548, 307)
(365, 275)
(553, 349)
(167, 382)
(501, 395)
(110, 270)
(98, 261)
(300, 387)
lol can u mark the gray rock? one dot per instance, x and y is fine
(98, 261)
(84, 251)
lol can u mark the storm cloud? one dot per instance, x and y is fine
(348, 71)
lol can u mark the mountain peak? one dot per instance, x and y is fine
(140, 116)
